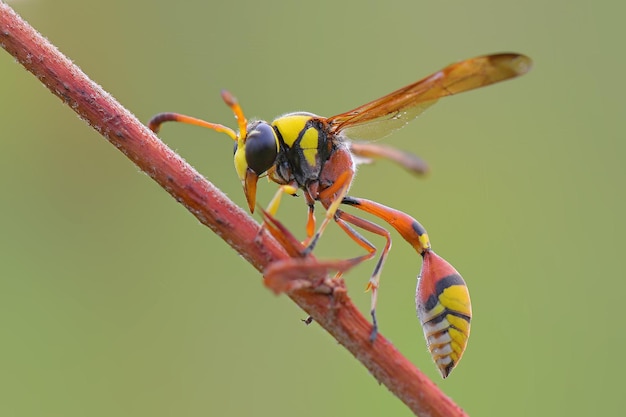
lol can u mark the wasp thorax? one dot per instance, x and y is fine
(261, 147)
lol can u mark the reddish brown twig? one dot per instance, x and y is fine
(336, 314)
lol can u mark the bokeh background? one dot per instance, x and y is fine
(115, 301)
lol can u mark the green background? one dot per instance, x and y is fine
(115, 301)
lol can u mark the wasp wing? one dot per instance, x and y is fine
(391, 112)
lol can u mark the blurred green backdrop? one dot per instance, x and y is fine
(116, 301)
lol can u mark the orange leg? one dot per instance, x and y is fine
(409, 228)
(442, 298)
(331, 198)
(291, 244)
(293, 273)
(342, 218)
(310, 223)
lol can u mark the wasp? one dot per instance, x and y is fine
(314, 154)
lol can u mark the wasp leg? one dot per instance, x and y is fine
(299, 270)
(310, 223)
(296, 272)
(342, 218)
(155, 123)
(442, 298)
(272, 207)
(331, 198)
(409, 228)
(288, 241)
(292, 274)
(291, 189)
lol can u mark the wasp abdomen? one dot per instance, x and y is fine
(444, 310)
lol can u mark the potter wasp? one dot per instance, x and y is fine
(303, 151)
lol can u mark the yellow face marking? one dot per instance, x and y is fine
(290, 127)
(241, 165)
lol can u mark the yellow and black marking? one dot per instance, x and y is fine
(444, 311)
(311, 153)
(304, 148)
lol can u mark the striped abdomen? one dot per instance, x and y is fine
(444, 310)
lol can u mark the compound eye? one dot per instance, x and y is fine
(261, 148)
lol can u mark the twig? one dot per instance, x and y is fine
(335, 314)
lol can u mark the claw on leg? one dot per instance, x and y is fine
(374, 331)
